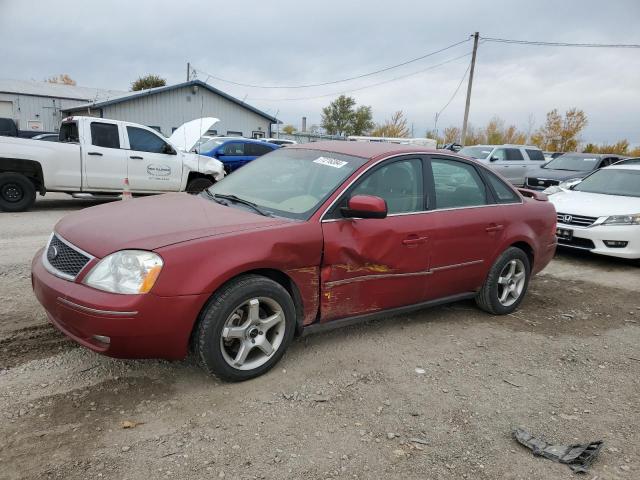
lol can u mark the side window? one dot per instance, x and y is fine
(69, 132)
(105, 135)
(399, 184)
(536, 155)
(255, 149)
(503, 192)
(514, 154)
(607, 161)
(499, 154)
(145, 141)
(457, 184)
(233, 149)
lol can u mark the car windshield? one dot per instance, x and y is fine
(289, 182)
(210, 145)
(476, 152)
(575, 163)
(614, 181)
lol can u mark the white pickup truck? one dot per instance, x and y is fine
(95, 155)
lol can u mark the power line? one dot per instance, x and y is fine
(333, 82)
(561, 44)
(456, 91)
(364, 87)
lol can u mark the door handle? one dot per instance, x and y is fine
(135, 157)
(494, 228)
(97, 154)
(414, 240)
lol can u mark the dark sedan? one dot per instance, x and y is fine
(570, 166)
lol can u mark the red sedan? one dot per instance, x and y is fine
(301, 239)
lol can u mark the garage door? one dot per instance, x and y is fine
(6, 109)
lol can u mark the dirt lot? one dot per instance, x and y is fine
(345, 404)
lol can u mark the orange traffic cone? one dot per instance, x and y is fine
(126, 191)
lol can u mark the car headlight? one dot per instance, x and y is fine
(623, 220)
(127, 271)
(562, 186)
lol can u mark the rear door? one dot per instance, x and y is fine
(104, 159)
(233, 155)
(468, 224)
(510, 163)
(377, 264)
(153, 164)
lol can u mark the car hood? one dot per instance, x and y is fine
(153, 222)
(551, 174)
(187, 135)
(594, 204)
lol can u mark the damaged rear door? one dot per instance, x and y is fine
(376, 264)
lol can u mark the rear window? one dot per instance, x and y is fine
(256, 149)
(8, 126)
(535, 154)
(69, 132)
(504, 193)
(105, 135)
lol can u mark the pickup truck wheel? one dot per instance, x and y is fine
(198, 184)
(17, 193)
(245, 328)
(506, 284)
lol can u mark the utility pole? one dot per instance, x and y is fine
(188, 71)
(466, 107)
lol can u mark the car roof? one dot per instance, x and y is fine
(593, 155)
(506, 145)
(616, 166)
(368, 150)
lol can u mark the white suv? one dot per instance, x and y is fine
(511, 161)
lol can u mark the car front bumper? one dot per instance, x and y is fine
(122, 326)
(593, 238)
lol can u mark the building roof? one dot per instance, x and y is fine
(125, 97)
(56, 90)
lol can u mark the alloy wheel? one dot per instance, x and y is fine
(252, 333)
(511, 282)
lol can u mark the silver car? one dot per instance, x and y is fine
(510, 161)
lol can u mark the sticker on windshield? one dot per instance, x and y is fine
(330, 162)
(588, 159)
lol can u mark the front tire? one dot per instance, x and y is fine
(506, 284)
(17, 193)
(197, 185)
(245, 328)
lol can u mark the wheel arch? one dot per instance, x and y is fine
(527, 249)
(29, 168)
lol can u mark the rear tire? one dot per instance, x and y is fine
(198, 184)
(245, 328)
(17, 193)
(506, 283)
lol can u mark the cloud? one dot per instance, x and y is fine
(109, 44)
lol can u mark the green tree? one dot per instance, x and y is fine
(341, 117)
(395, 127)
(621, 147)
(148, 81)
(288, 129)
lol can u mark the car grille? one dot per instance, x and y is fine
(580, 220)
(541, 182)
(577, 243)
(64, 258)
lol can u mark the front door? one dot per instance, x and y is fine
(376, 264)
(510, 163)
(105, 162)
(154, 166)
(233, 155)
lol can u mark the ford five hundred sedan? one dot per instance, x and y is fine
(301, 239)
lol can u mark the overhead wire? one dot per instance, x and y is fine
(561, 44)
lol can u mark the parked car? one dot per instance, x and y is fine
(9, 128)
(95, 155)
(279, 141)
(601, 213)
(235, 152)
(47, 137)
(567, 167)
(628, 161)
(304, 238)
(511, 161)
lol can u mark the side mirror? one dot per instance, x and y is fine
(493, 159)
(365, 206)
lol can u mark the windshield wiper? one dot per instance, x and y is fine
(236, 199)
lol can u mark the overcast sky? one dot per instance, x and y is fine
(110, 43)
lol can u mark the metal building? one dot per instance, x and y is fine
(39, 106)
(166, 108)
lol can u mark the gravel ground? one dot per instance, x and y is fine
(434, 394)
